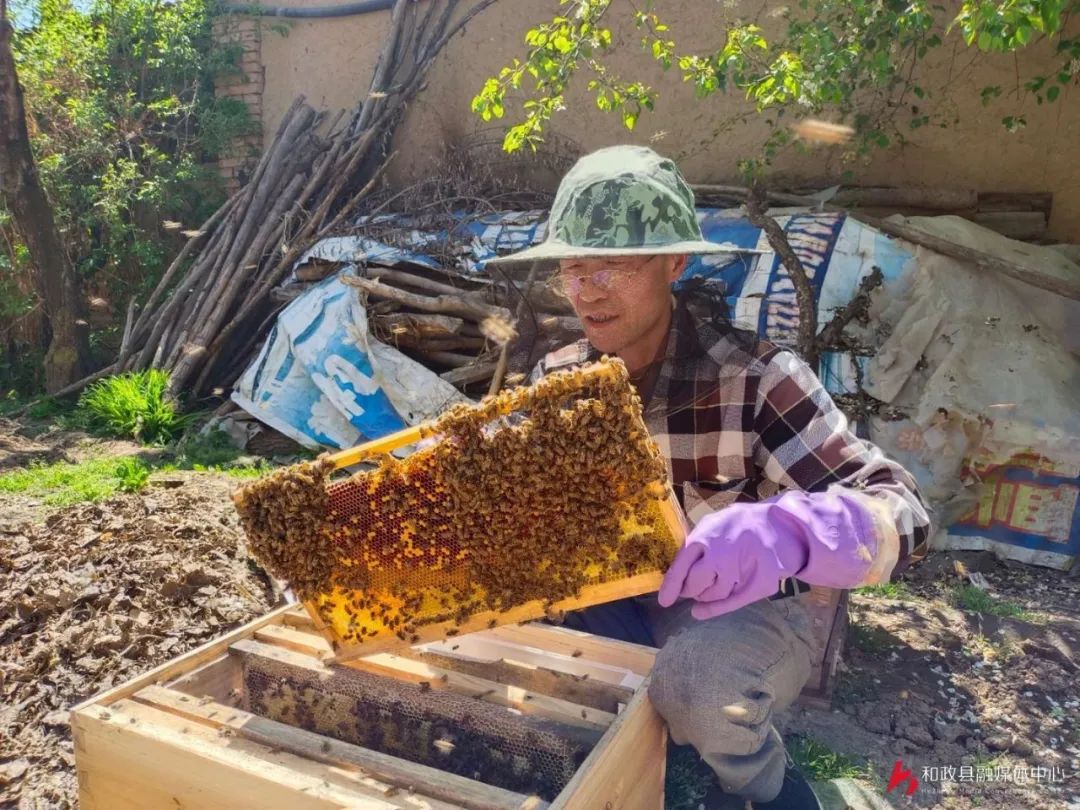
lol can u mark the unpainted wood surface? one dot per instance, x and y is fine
(442, 787)
(134, 757)
(626, 769)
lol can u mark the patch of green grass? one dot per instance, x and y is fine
(212, 449)
(133, 405)
(253, 471)
(63, 483)
(986, 761)
(687, 779)
(853, 686)
(44, 409)
(976, 600)
(887, 590)
(133, 474)
(216, 452)
(820, 763)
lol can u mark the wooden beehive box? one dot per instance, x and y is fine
(210, 729)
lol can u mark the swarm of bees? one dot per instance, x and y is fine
(284, 518)
(497, 512)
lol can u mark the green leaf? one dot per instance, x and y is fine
(629, 119)
(985, 40)
(1052, 93)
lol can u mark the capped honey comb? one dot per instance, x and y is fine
(529, 497)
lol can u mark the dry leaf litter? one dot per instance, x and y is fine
(99, 593)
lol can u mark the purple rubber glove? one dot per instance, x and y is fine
(739, 554)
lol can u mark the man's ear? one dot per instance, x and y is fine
(675, 267)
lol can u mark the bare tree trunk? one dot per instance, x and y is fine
(68, 355)
(804, 293)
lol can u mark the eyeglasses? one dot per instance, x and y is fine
(571, 284)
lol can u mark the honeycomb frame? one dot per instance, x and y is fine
(634, 524)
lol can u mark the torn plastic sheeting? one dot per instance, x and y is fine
(980, 364)
(319, 381)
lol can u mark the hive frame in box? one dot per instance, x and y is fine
(593, 594)
(172, 737)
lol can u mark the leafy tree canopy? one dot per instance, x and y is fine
(852, 60)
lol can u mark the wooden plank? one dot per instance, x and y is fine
(674, 517)
(248, 646)
(536, 609)
(582, 689)
(219, 679)
(626, 770)
(187, 662)
(936, 199)
(297, 617)
(487, 646)
(984, 261)
(416, 673)
(306, 744)
(291, 638)
(310, 746)
(563, 677)
(502, 694)
(1016, 201)
(354, 455)
(635, 657)
(132, 756)
(1014, 224)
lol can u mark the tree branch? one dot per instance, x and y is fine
(806, 338)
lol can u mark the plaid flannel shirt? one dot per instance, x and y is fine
(740, 426)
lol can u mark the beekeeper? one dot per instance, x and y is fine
(781, 494)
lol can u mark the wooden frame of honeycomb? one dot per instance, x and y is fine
(493, 522)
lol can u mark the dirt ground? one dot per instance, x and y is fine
(946, 690)
(93, 594)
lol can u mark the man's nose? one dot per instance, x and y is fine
(591, 292)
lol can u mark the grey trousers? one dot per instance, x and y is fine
(718, 682)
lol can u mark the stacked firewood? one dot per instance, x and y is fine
(213, 303)
(479, 331)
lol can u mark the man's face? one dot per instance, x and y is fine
(621, 301)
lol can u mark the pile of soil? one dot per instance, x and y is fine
(95, 594)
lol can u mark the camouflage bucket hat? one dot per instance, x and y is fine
(621, 201)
